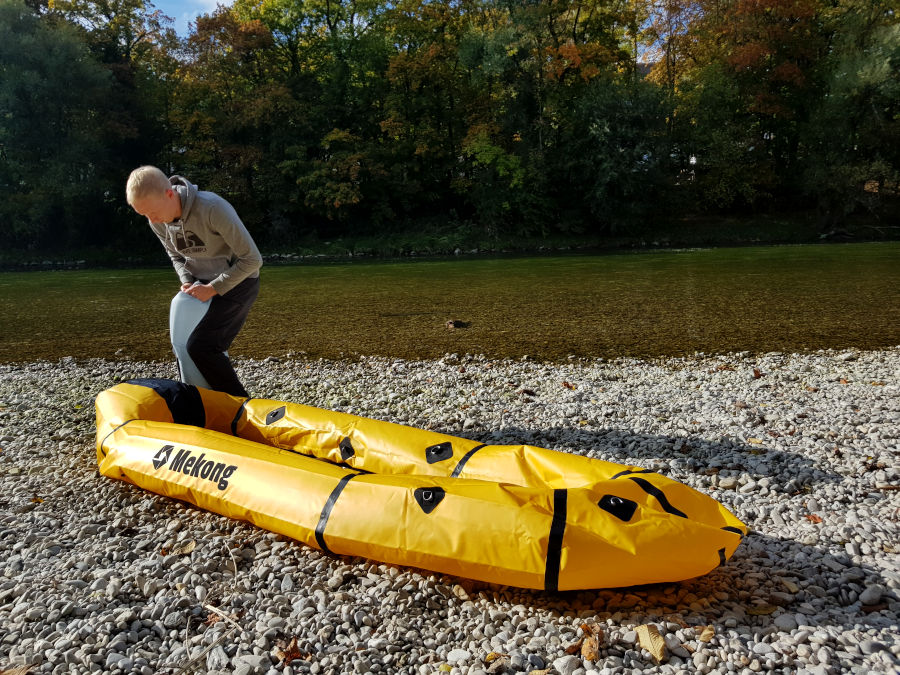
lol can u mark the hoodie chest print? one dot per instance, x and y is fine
(187, 241)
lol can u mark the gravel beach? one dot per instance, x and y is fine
(97, 576)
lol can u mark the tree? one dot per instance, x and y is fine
(53, 135)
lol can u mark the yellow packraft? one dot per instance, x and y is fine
(516, 515)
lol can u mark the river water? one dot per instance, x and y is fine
(664, 303)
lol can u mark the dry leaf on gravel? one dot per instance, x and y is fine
(286, 653)
(184, 547)
(708, 634)
(18, 670)
(761, 610)
(650, 639)
(575, 647)
(590, 650)
(790, 585)
(499, 665)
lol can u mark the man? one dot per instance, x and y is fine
(218, 264)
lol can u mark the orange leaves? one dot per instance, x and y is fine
(589, 645)
(286, 652)
(586, 61)
(749, 55)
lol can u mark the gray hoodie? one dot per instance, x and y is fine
(209, 242)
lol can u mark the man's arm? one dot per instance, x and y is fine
(245, 255)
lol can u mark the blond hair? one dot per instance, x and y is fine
(145, 181)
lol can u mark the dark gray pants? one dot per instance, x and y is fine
(216, 331)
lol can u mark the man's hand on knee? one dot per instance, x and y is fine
(201, 291)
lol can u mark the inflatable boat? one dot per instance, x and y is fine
(515, 515)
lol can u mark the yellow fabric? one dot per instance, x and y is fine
(515, 515)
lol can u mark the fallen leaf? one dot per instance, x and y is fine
(708, 634)
(575, 647)
(650, 639)
(813, 389)
(184, 547)
(592, 629)
(445, 668)
(761, 610)
(843, 381)
(543, 671)
(791, 586)
(212, 618)
(568, 386)
(500, 665)
(876, 383)
(757, 373)
(813, 518)
(754, 440)
(590, 651)
(18, 670)
(493, 656)
(290, 652)
(37, 500)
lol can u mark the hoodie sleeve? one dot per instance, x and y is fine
(245, 259)
(176, 258)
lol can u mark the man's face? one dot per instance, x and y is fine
(159, 208)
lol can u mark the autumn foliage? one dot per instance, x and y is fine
(351, 116)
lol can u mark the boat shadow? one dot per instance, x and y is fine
(767, 577)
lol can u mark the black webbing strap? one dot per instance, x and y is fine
(654, 491)
(237, 418)
(327, 509)
(459, 467)
(554, 545)
(105, 438)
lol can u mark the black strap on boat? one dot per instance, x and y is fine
(654, 491)
(111, 433)
(628, 472)
(466, 458)
(237, 417)
(327, 509)
(554, 545)
(184, 400)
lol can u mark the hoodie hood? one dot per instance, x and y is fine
(187, 192)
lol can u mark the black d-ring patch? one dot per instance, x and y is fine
(428, 498)
(439, 452)
(275, 415)
(347, 450)
(621, 508)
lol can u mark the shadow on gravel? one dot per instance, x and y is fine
(767, 579)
